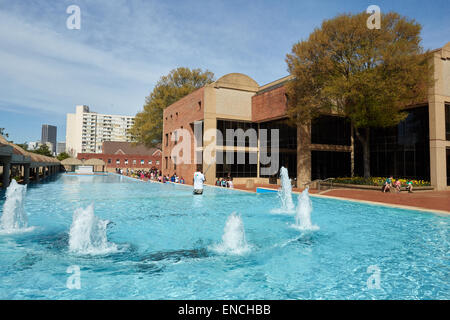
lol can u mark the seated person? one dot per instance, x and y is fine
(182, 180)
(398, 185)
(387, 185)
(230, 183)
(224, 183)
(219, 182)
(409, 186)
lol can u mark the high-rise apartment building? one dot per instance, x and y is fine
(49, 135)
(86, 131)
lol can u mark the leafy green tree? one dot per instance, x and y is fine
(63, 156)
(148, 124)
(43, 150)
(368, 76)
(24, 146)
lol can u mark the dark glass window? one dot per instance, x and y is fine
(287, 144)
(447, 121)
(231, 166)
(401, 151)
(287, 159)
(448, 167)
(330, 164)
(223, 125)
(287, 133)
(331, 130)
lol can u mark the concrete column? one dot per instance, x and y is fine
(36, 174)
(6, 173)
(26, 173)
(210, 123)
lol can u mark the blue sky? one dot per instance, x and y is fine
(124, 46)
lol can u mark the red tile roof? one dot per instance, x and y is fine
(115, 147)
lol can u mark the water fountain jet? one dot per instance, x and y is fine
(303, 216)
(285, 194)
(14, 218)
(233, 238)
(88, 233)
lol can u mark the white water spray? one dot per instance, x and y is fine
(233, 239)
(304, 209)
(14, 218)
(285, 194)
(88, 233)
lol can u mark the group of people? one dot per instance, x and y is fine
(152, 174)
(174, 178)
(225, 182)
(396, 185)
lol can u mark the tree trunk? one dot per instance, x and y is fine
(365, 141)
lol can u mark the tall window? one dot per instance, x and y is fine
(401, 151)
(231, 166)
(448, 166)
(447, 121)
(223, 125)
(174, 163)
(330, 130)
(167, 139)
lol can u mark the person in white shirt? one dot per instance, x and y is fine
(199, 178)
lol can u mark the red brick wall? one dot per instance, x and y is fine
(181, 114)
(269, 105)
(122, 157)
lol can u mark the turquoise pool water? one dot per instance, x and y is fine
(164, 237)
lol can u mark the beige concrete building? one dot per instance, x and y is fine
(86, 130)
(439, 117)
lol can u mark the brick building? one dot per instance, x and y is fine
(418, 148)
(125, 155)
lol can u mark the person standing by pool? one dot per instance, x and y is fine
(199, 178)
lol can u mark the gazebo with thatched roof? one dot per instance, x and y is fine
(15, 159)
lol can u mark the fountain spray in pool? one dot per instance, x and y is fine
(304, 209)
(14, 218)
(285, 194)
(233, 239)
(88, 233)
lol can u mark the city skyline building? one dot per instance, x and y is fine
(49, 134)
